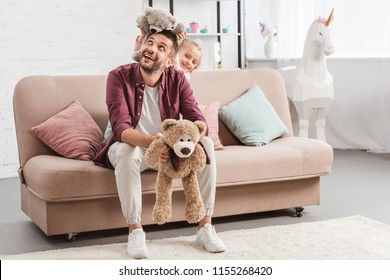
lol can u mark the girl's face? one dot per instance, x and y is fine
(189, 57)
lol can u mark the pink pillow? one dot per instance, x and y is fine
(71, 133)
(211, 115)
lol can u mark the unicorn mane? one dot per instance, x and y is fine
(320, 20)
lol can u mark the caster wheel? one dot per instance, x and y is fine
(71, 237)
(298, 211)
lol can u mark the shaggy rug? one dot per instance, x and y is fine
(350, 238)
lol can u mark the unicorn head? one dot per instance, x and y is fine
(319, 35)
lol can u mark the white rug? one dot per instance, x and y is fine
(350, 238)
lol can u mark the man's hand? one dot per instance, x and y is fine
(164, 157)
(159, 136)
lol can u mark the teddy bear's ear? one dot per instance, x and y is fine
(142, 22)
(167, 123)
(179, 28)
(202, 127)
(148, 11)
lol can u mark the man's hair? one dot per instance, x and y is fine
(171, 36)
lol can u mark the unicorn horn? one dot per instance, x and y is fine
(330, 18)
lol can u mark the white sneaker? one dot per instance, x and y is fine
(207, 237)
(136, 244)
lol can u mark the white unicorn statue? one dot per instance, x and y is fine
(309, 85)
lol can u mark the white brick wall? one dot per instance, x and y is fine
(57, 37)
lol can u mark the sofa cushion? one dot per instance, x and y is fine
(286, 158)
(252, 119)
(56, 178)
(72, 133)
(211, 115)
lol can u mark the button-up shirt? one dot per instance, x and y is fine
(124, 97)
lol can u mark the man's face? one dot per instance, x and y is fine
(155, 53)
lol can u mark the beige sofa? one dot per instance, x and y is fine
(66, 196)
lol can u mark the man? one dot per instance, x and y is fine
(139, 97)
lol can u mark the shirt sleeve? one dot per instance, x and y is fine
(118, 110)
(188, 105)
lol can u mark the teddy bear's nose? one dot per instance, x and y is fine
(185, 151)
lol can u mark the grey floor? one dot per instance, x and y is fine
(359, 185)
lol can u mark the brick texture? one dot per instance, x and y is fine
(56, 37)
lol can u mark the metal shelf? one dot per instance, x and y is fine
(212, 34)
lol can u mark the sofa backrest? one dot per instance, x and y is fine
(227, 85)
(38, 98)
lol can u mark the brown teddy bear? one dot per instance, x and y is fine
(187, 156)
(156, 20)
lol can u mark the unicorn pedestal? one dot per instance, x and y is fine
(309, 85)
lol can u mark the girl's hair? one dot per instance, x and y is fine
(186, 41)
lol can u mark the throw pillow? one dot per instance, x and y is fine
(252, 119)
(107, 133)
(71, 133)
(211, 115)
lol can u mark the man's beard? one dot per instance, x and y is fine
(155, 67)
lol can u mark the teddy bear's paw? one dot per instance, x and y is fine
(161, 215)
(195, 212)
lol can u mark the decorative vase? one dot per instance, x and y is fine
(270, 47)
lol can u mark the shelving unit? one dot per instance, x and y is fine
(212, 34)
(215, 33)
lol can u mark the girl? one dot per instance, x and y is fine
(189, 56)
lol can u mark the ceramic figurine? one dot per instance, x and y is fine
(309, 84)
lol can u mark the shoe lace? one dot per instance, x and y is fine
(210, 234)
(137, 239)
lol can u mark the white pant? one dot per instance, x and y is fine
(129, 162)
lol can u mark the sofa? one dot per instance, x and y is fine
(68, 196)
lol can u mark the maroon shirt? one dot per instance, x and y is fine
(124, 97)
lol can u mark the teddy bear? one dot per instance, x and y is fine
(187, 156)
(155, 20)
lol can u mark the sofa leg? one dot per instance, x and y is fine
(298, 211)
(72, 236)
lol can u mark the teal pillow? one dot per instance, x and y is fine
(107, 133)
(252, 119)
